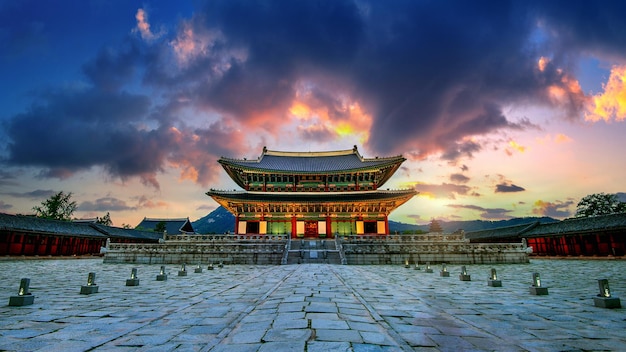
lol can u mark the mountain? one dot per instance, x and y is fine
(468, 226)
(220, 221)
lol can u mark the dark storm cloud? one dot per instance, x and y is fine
(586, 25)
(508, 188)
(412, 64)
(430, 73)
(486, 213)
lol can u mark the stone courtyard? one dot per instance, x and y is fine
(312, 307)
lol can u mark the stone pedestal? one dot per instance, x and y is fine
(18, 301)
(197, 270)
(428, 270)
(607, 302)
(494, 283)
(210, 267)
(182, 272)
(465, 277)
(161, 277)
(538, 291)
(132, 282)
(444, 273)
(88, 289)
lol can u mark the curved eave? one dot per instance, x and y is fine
(228, 198)
(232, 166)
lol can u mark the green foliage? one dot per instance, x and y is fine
(105, 220)
(160, 227)
(599, 204)
(435, 226)
(126, 226)
(58, 207)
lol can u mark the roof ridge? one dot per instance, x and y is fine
(165, 219)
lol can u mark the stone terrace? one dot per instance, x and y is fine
(313, 307)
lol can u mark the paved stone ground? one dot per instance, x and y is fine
(314, 307)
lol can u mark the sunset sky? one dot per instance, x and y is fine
(502, 109)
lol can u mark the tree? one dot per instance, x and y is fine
(599, 204)
(435, 226)
(58, 207)
(105, 220)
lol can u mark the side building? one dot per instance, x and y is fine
(311, 194)
(22, 235)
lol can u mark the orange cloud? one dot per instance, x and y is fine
(565, 92)
(611, 104)
(516, 146)
(561, 138)
(543, 62)
(557, 139)
(340, 118)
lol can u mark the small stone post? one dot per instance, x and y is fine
(24, 297)
(134, 280)
(91, 286)
(604, 298)
(493, 279)
(536, 288)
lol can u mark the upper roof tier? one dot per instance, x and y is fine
(340, 161)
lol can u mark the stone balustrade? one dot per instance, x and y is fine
(362, 249)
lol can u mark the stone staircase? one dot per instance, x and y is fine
(305, 251)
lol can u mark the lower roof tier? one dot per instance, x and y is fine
(238, 202)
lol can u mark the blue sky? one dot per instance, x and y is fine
(503, 109)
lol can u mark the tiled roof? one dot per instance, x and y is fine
(501, 232)
(311, 197)
(118, 232)
(172, 226)
(47, 226)
(611, 222)
(311, 162)
(580, 225)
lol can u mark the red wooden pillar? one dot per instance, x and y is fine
(236, 232)
(329, 228)
(294, 227)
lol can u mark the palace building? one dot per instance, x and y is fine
(312, 194)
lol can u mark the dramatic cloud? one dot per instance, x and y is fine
(557, 209)
(410, 77)
(104, 204)
(486, 213)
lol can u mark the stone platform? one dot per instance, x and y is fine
(312, 307)
(281, 249)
